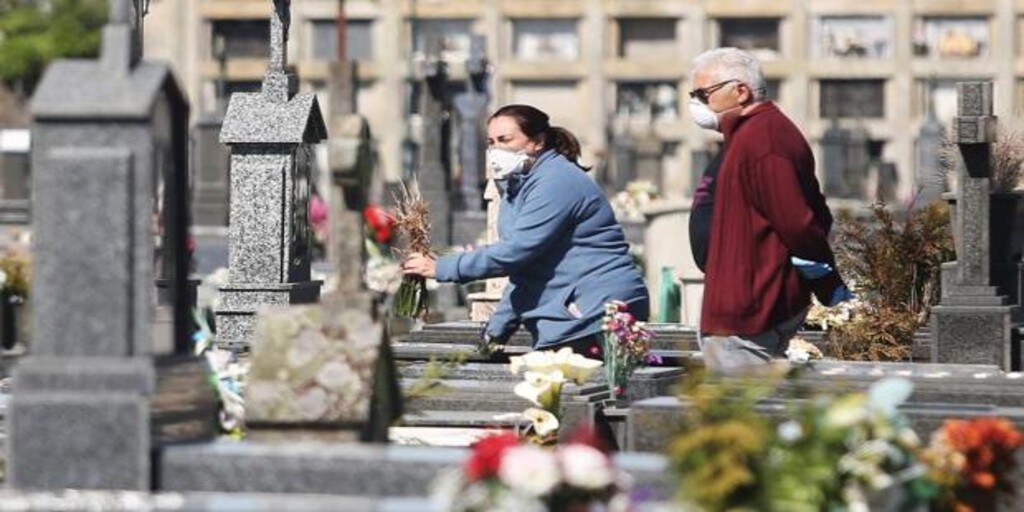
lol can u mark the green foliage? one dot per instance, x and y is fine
(430, 381)
(895, 265)
(35, 32)
(723, 441)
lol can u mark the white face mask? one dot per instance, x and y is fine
(703, 115)
(505, 162)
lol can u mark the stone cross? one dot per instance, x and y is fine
(276, 85)
(973, 322)
(973, 131)
(270, 134)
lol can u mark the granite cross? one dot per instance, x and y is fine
(275, 85)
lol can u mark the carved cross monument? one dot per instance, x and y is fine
(972, 323)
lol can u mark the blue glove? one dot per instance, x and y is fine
(810, 269)
(840, 295)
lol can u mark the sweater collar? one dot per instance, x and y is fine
(731, 124)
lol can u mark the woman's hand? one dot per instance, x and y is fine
(419, 265)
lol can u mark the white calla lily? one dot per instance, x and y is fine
(578, 368)
(544, 422)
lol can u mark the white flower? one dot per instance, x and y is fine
(541, 388)
(574, 366)
(586, 467)
(544, 422)
(797, 355)
(537, 361)
(801, 351)
(847, 411)
(530, 470)
(790, 431)
(3, 278)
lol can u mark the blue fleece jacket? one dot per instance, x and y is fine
(559, 244)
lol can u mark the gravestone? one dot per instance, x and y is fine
(269, 133)
(99, 394)
(973, 322)
(470, 219)
(321, 373)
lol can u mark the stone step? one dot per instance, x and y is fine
(462, 419)
(666, 336)
(416, 351)
(674, 342)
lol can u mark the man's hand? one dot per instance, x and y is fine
(419, 265)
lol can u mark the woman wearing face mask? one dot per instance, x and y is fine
(560, 246)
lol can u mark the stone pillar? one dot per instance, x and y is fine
(84, 413)
(972, 323)
(269, 133)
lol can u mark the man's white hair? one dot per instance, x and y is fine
(732, 64)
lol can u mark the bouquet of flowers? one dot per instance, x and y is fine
(227, 375)
(503, 474)
(627, 345)
(972, 462)
(853, 452)
(413, 220)
(545, 373)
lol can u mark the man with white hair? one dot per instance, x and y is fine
(767, 235)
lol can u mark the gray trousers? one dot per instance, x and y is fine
(739, 354)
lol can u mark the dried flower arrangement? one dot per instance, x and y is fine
(412, 221)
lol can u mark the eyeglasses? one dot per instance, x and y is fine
(703, 94)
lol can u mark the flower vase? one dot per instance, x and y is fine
(613, 367)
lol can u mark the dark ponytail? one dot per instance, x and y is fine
(565, 143)
(535, 123)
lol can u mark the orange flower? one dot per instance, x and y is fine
(984, 479)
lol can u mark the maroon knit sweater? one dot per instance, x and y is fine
(768, 207)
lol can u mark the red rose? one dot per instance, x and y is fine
(380, 221)
(486, 457)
